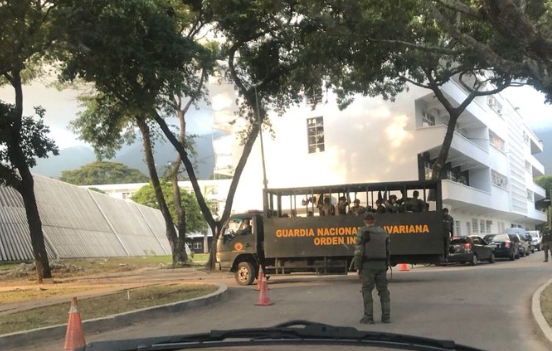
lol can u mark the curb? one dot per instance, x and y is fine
(544, 328)
(116, 321)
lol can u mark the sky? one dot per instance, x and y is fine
(62, 107)
(537, 114)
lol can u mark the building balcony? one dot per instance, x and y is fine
(463, 198)
(469, 199)
(537, 167)
(464, 152)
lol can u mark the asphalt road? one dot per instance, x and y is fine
(487, 306)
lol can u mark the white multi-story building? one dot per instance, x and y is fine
(487, 181)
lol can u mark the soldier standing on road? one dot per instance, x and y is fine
(371, 259)
(546, 243)
(448, 230)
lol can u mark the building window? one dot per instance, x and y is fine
(499, 180)
(481, 227)
(530, 195)
(494, 105)
(488, 225)
(468, 226)
(428, 119)
(496, 141)
(315, 130)
(501, 227)
(475, 225)
(458, 228)
(198, 245)
(526, 138)
(127, 196)
(428, 170)
(451, 175)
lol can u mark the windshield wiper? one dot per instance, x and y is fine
(293, 332)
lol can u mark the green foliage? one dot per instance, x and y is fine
(26, 36)
(133, 51)
(101, 172)
(104, 124)
(510, 38)
(194, 219)
(30, 139)
(546, 183)
(104, 38)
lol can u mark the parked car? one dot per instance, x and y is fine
(529, 240)
(525, 244)
(470, 249)
(536, 237)
(504, 245)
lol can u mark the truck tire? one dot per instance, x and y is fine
(245, 274)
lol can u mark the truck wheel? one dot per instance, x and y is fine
(245, 274)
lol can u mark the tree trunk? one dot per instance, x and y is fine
(195, 184)
(181, 255)
(445, 148)
(26, 189)
(35, 228)
(150, 161)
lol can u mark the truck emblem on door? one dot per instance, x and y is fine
(238, 246)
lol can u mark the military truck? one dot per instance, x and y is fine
(289, 235)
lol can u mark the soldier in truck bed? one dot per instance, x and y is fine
(356, 209)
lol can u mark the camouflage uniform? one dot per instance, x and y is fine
(546, 243)
(448, 230)
(342, 207)
(357, 210)
(371, 260)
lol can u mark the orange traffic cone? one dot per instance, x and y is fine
(74, 336)
(264, 300)
(259, 278)
(404, 267)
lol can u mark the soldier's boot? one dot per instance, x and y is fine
(368, 317)
(386, 312)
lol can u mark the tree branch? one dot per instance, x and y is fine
(411, 81)
(460, 7)
(492, 57)
(427, 48)
(197, 91)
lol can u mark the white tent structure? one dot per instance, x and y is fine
(80, 223)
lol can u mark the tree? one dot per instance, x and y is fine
(418, 52)
(194, 218)
(546, 183)
(275, 56)
(27, 35)
(518, 41)
(103, 172)
(104, 38)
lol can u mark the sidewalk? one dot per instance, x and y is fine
(543, 325)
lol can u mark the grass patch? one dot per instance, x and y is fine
(200, 257)
(30, 294)
(74, 268)
(102, 306)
